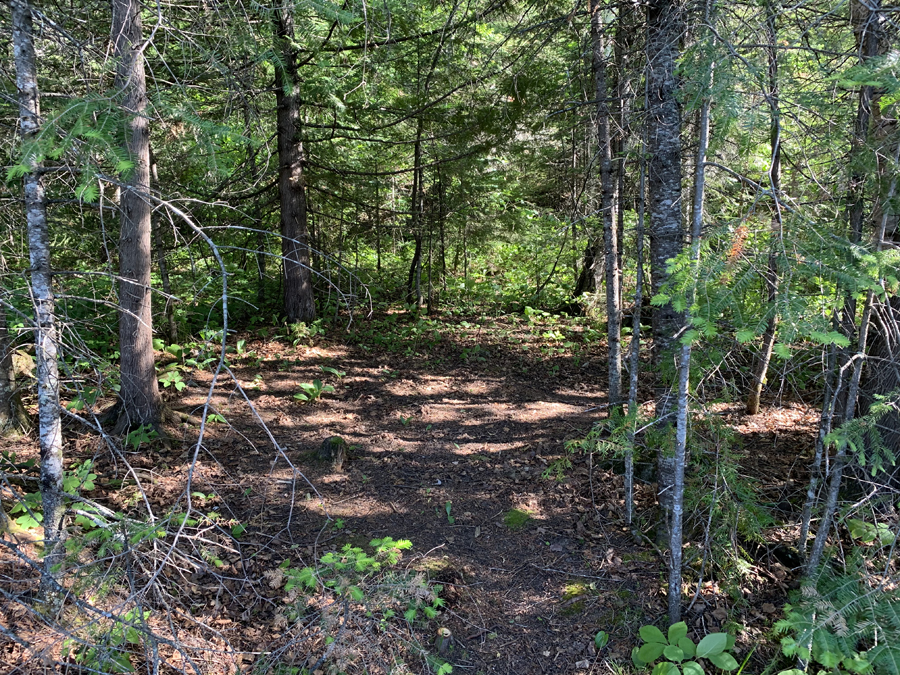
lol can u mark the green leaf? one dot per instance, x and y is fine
(677, 631)
(829, 659)
(356, 593)
(601, 639)
(744, 336)
(651, 651)
(725, 661)
(689, 337)
(693, 668)
(652, 634)
(673, 653)
(714, 643)
(659, 300)
(688, 647)
(782, 351)
(665, 668)
(28, 522)
(636, 660)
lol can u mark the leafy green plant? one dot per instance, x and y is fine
(359, 576)
(680, 653)
(328, 370)
(447, 507)
(142, 434)
(312, 390)
(870, 532)
(109, 652)
(301, 332)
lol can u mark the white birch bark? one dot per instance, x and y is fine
(50, 428)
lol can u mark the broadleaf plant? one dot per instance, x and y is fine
(679, 652)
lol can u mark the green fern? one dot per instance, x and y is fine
(841, 622)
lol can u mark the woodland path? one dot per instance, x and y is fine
(473, 422)
(469, 419)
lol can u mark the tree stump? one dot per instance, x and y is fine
(333, 451)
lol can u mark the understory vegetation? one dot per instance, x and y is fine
(488, 337)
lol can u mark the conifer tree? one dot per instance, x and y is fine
(139, 393)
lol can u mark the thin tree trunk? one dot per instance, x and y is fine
(771, 278)
(834, 482)
(139, 393)
(377, 225)
(299, 301)
(13, 416)
(607, 208)
(414, 282)
(635, 354)
(664, 24)
(865, 20)
(684, 373)
(833, 384)
(50, 427)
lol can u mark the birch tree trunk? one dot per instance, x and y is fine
(139, 392)
(50, 428)
(666, 229)
(299, 301)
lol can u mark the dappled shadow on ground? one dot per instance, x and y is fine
(450, 440)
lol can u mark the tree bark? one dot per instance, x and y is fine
(139, 393)
(46, 345)
(607, 208)
(299, 301)
(414, 281)
(666, 228)
(13, 417)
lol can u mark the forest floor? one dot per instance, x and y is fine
(452, 426)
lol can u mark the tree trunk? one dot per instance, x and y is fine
(139, 393)
(414, 282)
(607, 208)
(771, 278)
(587, 276)
(666, 227)
(299, 302)
(684, 375)
(50, 428)
(13, 417)
(635, 353)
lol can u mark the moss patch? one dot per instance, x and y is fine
(516, 519)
